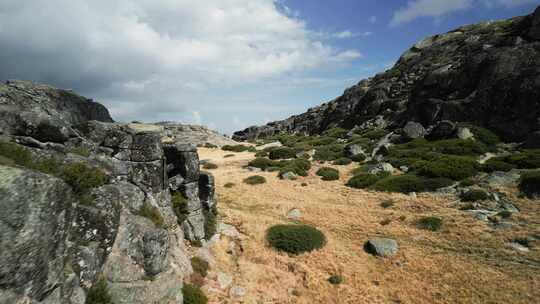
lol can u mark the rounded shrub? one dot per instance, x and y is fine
(358, 158)
(99, 293)
(193, 295)
(335, 279)
(529, 184)
(261, 154)
(82, 178)
(343, 161)
(200, 266)
(467, 182)
(255, 180)
(328, 174)
(262, 163)
(295, 239)
(229, 185)
(282, 153)
(430, 223)
(474, 195)
(527, 159)
(453, 167)
(210, 166)
(362, 181)
(410, 183)
(493, 165)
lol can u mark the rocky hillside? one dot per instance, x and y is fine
(195, 134)
(487, 74)
(94, 211)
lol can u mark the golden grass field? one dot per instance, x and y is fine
(467, 261)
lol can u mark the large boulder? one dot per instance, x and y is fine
(414, 130)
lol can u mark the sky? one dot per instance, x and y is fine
(226, 64)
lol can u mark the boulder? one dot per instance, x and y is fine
(443, 130)
(382, 247)
(380, 167)
(289, 176)
(354, 150)
(414, 130)
(464, 133)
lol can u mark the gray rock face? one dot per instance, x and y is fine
(194, 134)
(451, 76)
(354, 150)
(382, 247)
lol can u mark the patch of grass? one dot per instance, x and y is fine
(493, 165)
(527, 159)
(179, 205)
(387, 203)
(295, 239)
(410, 183)
(152, 213)
(374, 134)
(80, 151)
(200, 266)
(430, 223)
(255, 180)
(343, 161)
(193, 294)
(238, 148)
(328, 152)
(17, 154)
(328, 174)
(210, 223)
(282, 153)
(474, 195)
(229, 185)
(82, 177)
(99, 293)
(336, 132)
(335, 279)
(453, 167)
(529, 184)
(210, 166)
(362, 181)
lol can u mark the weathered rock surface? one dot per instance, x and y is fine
(486, 74)
(382, 247)
(194, 134)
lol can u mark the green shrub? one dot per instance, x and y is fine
(529, 184)
(343, 161)
(80, 151)
(263, 163)
(493, 165)
(299, 166)
(261, 154)
(336, 132)
(229, 185)
(328, 152)
(362, 181)
(82, 178)
(152, 213)
(430, 223)
(200, 266)
(210, 145)
(282, 153)
(453, 167)
(295, 239)
(410, 183)
(255, 180)
(99, 293)
(210, 223)
(474, 195)
(16, 153)
(193, 294)
(180, 206)
(387, 203)
(304, 184)
(46, 132)
(210, 166)
(335, 279)
(328, 174)
(483, 135)
(358, 158)
(375, 134)
(505, 214)
(467, 182)
(527, 159)
(236, 148)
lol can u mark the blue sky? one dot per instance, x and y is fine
(227, 64)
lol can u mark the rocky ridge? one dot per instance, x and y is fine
(485, 74)
(57, 245)
(195, 134)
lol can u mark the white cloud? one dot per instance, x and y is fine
(438, 8)
(372, 19)
(348, 34)
(150, 59)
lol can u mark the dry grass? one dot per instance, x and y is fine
(466, 261)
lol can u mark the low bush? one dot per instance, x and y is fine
(527, 159)
(229, 185)
(200, 266)
(336, 132)
(19, 155)
(99, 293)
(410, 183)
(304, 184)
(80, 151)
(375, 134)
(179, 206)
(343, 161)
(358, 158)
(387, 203)
(505, 214)
(430, 223)
(362, 181)
(255, 180)
(46, 132)
(210, 166)
(210, 223)
(152, 213)
(335, 279)
(263, 163)
(328, 174)
(261, 154)
(328, 152)
(467, 182)
(193, 295)
(299, 166)
(295, 239)
(237, 148)
(529, 184)
(210, 145)
(474, 195)
(483, 135)
(493, 165)
(82, 178)
(453, 167)
(282, 153)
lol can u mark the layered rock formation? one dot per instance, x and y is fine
(487, 74)
(56, 244)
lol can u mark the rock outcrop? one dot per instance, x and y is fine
(57, 243)
(195, 134)
(486, 74)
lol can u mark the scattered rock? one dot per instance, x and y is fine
(382, 247)
(518, 247)
(289, 176)
(294, 214)
(274, 144)
(464, 133)
(499, 178)
(380, 167)
(238, 291)
(254, 169)
(224, 280)
(414, 130)
(353, 150)
(443, 130)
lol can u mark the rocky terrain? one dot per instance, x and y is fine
(485, 74)
(94, 211)
(195, 134)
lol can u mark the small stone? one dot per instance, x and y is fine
(254, 169)
(518, 247)
(382, 247)
(413, 195)
(288, 176)
(294, 214)
(464, 133)
(238, 291)
(224, 280)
